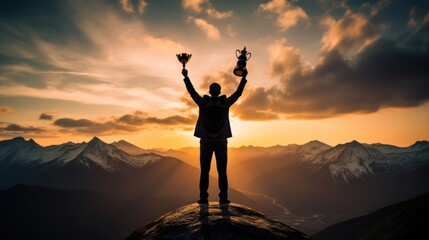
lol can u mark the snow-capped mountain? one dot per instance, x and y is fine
(130, 148)
(354, 160)
(19, 152)
(108, 157)
(351, 160)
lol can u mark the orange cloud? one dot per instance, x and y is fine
(285, 60)
(194, 5)
(210, 30)
(213, 13)
(128, 7)
(287, 15)
(353, 31)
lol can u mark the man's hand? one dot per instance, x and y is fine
(185, 72)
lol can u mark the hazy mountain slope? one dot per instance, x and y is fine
(43, 213)
(405, 220)
(131, 148)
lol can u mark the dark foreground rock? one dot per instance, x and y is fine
(215, 222)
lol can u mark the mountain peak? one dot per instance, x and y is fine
(95, 140)
(316, 143)
(420, 145)
(19, 138)
(353, 143)
(212, 221)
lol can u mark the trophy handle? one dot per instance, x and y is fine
(250, 55)
(237, 51)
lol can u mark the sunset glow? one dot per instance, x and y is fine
(334, 71)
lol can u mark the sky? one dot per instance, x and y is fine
(327, 70)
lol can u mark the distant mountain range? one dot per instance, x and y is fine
(313, 179)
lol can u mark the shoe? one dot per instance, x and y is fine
(203, 201)
(224, 201)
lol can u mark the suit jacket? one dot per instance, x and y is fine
(213, 118)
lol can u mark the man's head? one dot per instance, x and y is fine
(214, 89)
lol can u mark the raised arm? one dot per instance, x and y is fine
(191, 90)
(234, 97)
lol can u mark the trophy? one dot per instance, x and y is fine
(240, 69)
(183, 58)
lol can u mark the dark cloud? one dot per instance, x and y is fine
(256, 105)
(383, 75)
(46, 116)
(18, 128)
(5, 109)
(73, 123)
(136, 118)
(173, 120)
(132, 122)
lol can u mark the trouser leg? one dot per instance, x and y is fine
(221, 152)
(206, 153)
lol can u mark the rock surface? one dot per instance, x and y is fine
(213, 221)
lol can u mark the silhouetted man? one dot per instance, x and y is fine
(213, 128)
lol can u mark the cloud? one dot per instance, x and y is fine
(418, 24)
(46, 116)
(231, 32)
(91, 51)
(256, 105)
(384, 74)
(5, 109)
(213, 13)
(285, 60)
(133, 122)
(136, 118)
(199, 6)
(351, 32)
(374, 9)
(287, 15)
(194, 5)
(18, 128)
(172, 120)
(142, 6)
(128, 6)
(210, 30)
(73, 123)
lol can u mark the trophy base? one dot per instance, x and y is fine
(239, 71)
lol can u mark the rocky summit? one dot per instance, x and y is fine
(214, 221)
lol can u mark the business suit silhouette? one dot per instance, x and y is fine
(213, 129)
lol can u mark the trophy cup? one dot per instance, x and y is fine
(183, 58)
(240, 69)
